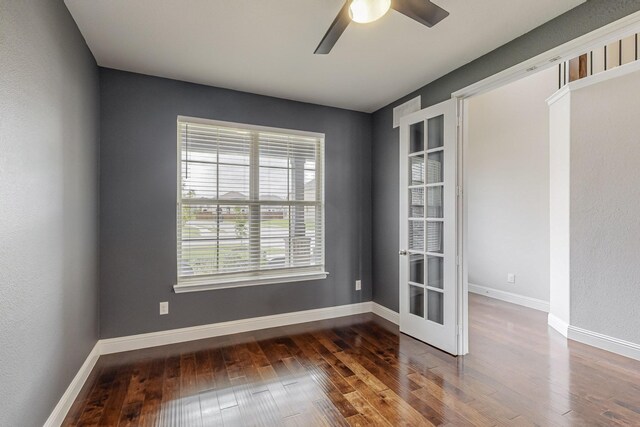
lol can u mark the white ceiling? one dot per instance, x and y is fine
(266, 46)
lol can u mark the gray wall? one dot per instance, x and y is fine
(605, 202)
(48, 207)
(138, 210)
(578, 21)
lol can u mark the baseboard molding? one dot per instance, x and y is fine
(604, 342)
(173, 336)
(558, 324)
(135, 342)
(64, 404)
(536, 304)
(385, 313)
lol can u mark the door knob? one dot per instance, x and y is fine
(402, 252)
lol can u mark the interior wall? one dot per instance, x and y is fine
(605, 201)
(507, 167)
(578, 21)
(138, 206)
(559, 210)
(48, 207)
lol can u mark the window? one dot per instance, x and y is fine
(250, 205)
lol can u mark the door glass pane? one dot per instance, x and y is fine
(435, 276)
(416, 137)
(416, 300)
(416, 268)
(434, 237)
(416, 164)
(435, 308)
(436, 132)
(435, 202)
(416, 203)
(416, 235)
(435, 167)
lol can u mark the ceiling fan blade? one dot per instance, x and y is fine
(422, 11)
(335, 30)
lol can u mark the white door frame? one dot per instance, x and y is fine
(614, 31)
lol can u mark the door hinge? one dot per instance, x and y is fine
(460, 121)
(459, 191)
(459, 330)
(457, 259)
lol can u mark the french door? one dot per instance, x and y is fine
(428, 203)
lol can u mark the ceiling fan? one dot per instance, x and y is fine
(365, 11)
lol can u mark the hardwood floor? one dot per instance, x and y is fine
(360, 371)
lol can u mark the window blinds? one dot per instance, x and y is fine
(250, 203)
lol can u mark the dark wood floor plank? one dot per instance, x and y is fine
(226, 397)
(92, 412)
(135, 394)
(360, 371)
(82, 400)
(170, 407)
(153, 393)
(190, 411)
(119, 387)
(279, 393)
(367, 412)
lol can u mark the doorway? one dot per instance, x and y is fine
(557, 59)
(601, 50)
(507, 169)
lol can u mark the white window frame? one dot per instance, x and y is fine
(249, 278)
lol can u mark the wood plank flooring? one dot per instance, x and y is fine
(359, 371)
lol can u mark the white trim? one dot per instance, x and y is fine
(135, 342)
(609, 74)
(408, 107)
(619, 71)
(536, 304)
(153, 339)
(173, 336)
(611, 32)
(239, 282)
(616, 30)
(560, 93)
(385, 313)
(558, 324)
(64, 404)
(244, 126)
(605, 342)
(462, 220)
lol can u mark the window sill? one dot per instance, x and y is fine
(210, 285)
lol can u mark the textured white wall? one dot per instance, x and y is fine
(605, 207)
(508, 186)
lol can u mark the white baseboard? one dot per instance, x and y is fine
(595, 339)
(173, 336)
(64, 404)
(134, 342)
(385, 313)
(605, 342)
(536, 304)
(558, 324)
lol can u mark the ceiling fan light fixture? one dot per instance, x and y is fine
(365, 11)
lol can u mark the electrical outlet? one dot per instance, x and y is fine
(164, 308)
(511, 278)
(358, 285)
